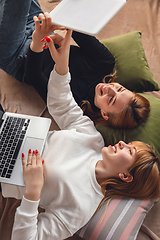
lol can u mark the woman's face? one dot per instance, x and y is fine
(111, 97)
(118, 158)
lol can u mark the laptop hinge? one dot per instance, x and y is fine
(1, 120)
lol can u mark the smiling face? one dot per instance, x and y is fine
(119, 157)
(116, 161)
(111, 97)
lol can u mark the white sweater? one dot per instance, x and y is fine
(70, 194)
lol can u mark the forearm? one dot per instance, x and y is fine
(26, 224)
(33, 72)
(31, 225)
(36, 46)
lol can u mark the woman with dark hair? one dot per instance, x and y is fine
(77, 168)
(23, 56)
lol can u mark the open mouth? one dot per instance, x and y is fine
(101, 90)
(114, 148)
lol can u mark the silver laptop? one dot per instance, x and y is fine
(18, 134)
(86, 16)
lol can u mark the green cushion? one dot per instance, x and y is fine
(131, 65)
(148, 132)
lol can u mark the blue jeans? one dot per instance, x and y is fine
(16, 28)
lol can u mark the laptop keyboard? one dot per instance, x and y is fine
(11, 138)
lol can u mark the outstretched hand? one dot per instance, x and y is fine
(33, 175)
(61, 54)
(43, 27)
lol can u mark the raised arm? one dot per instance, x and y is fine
(39, 63)
(34, 73)
(61, 103)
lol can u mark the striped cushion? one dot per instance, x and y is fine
(121, 221)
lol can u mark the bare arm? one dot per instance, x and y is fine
(60, 55)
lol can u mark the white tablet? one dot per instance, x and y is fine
(87, 16)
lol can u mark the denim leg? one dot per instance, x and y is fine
(35, 9)
(16, 27)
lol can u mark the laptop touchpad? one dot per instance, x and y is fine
(33, 144)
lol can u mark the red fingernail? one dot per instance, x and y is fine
(47, 39)
(42, 161)
(30, 151)
(42, 40)
(36, 151)
(33, 152)
(22, 154)
(44, 46)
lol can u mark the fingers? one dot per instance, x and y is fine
(34, 158)
(37, 23)
(29, 160)
(56, 38)
(46, 20)
(41, 16)
(49, 23)
(68, 37)
(23, 161)
(43, 27)
(51, 46)
(39, 161)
